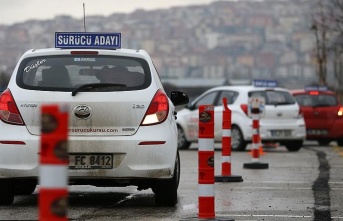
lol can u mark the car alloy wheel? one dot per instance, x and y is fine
(237, 142)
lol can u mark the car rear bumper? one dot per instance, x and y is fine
(132, 159)
(286, 131)
(333, 131)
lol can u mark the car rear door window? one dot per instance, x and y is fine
(273, 97)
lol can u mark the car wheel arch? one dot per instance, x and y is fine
(186, 143)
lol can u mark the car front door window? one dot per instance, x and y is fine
(208, 99)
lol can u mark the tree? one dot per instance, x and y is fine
(335, 16)
(320, 29)
(327, 26)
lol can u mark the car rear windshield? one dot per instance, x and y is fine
(274, 97)
(69, 72)
(320, 100)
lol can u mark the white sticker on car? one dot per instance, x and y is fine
(85, 59)
(34, 66)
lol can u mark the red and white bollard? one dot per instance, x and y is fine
(226, 175)
(53, 173)
(256, 139)
(206, 204)
(206, 162)
(256, 144)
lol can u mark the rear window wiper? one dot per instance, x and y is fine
(280, 103)
(96, 85)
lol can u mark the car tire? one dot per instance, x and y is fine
(294, 145)
(166, 190)
(340, 142)
(324, 142)
(6, 192)
(25, 188)
(182, 142)
(237, 141)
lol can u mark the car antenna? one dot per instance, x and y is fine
(84, 17)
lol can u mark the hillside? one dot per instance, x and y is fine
(227, 40)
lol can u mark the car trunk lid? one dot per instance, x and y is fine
(90, 113)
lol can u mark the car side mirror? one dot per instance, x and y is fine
(179, 98)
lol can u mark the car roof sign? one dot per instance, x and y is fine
(89, 40)
(316, 88)
(265, 83)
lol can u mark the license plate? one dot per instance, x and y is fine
(317, 132)
(281, 133)
(90, 161)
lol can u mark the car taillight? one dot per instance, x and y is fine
(84, 52)
(9, 112)
(158, 109)
(245, 108)
(340, 112)
(314, 93)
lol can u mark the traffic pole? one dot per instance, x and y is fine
(206, 199)
(53, 170)
(226, 175)
(206, 162)
(256, 144)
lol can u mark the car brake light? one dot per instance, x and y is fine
(158, 109)
(9, 112)
(340, 112)
(84, 52)
(245, 108)
(314, 93)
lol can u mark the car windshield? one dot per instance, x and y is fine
(69, 72)
(274, 97)
(321, 100)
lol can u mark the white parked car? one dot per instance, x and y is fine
(118, 110)
(281, 121)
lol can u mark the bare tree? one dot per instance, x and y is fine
(335, 26)
(335, 16)
(327, 26)
(338, 70)
(320, 29)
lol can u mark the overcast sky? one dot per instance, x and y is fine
(13, 11)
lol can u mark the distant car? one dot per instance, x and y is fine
(323, 114)
(282, 121)
(121, 121)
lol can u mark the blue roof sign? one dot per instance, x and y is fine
(265, 83)
(87, 40)
(316, 88)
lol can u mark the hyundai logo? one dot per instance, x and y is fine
(82, 112)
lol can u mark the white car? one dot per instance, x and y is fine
(281, 121)
(127, 118)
